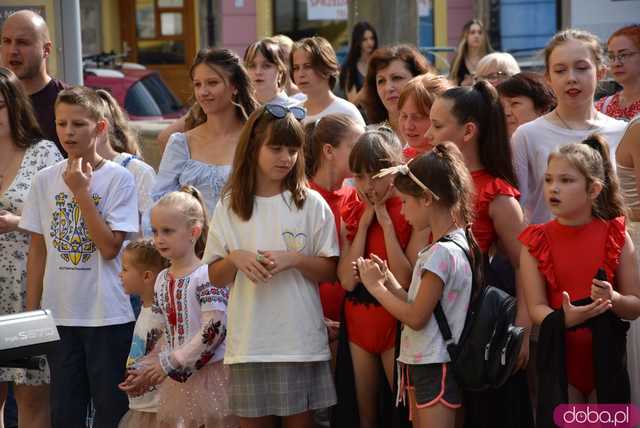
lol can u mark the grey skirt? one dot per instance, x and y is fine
(280, 389)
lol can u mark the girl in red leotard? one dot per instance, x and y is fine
(328, 143)
(561, 258)
(373, 224)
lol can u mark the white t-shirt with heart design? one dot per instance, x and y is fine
(280, 320)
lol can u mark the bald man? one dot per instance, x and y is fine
(25, 47)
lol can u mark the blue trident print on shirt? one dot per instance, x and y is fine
(69, 232)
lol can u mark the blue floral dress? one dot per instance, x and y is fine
(177, 169)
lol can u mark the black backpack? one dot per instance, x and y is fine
(487, 352)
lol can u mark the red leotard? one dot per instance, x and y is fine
(568, 258)
(332, 293)
(487, 188)
(409, 152)
(370, 326)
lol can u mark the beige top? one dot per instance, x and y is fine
(627, 178)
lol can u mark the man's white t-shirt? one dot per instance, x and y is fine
(339, 105)
(81, 287)
(534, 141)
(280, 320)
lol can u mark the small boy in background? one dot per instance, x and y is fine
(141, 263)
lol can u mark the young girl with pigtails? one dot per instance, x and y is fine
(581, 279)
(435, 193)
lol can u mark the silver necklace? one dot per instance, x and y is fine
(566, 125)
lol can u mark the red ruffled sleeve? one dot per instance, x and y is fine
(351, 212)
(492, 189)
(537, 242)
(616, 236)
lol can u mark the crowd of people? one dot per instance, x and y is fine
(290, 253)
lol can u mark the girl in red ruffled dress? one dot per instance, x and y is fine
(328, 143)
(373, 224)
(562, 257)
(473, 118)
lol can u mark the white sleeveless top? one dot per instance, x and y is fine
(627, 177)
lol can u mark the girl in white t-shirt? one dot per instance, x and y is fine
(574, 63)
(434, 191)
(272, 240)
(189, 363)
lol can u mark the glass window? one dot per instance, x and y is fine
(145, 19)
(139, 102)
(161, 52)
(166, 101)
(170, 3)
(290, 17)
(171, 24)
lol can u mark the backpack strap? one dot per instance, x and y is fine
(438, 312)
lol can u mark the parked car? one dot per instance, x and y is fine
(141, 92)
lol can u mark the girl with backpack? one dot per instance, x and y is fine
(473, 118)
(434, 189)
(559, 263)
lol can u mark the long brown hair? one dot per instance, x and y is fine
(463, 49)
(25, 130)
(591, 157)
(263, 128)
(189, 202)
(121, 136)
(380, 59)
(481, 105)
(236, 75)
(331, 129)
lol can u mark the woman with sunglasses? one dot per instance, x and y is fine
(624, 64)
(277, 347)
(314, 68)
(202, 155)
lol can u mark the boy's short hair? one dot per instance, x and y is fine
(323, 57)
(84, 97)
(146, 256)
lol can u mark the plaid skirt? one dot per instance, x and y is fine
(280, 389)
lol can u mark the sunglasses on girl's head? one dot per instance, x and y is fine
(279, 111)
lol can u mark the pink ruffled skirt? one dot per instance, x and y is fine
(199, 402)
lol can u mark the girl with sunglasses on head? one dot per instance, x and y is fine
(314, 68)
(202, 155)
(624, 65)
(274, 240)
